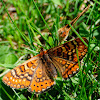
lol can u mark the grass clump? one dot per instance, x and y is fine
(28, 25)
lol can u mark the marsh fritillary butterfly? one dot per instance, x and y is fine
(38, 73)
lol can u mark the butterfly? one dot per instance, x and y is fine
(38, 74)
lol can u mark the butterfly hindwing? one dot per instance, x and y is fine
(41, 81)
(66, 68)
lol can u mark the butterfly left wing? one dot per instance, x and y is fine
(68, 50)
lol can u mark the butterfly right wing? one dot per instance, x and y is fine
(31, 74)
(21, 76)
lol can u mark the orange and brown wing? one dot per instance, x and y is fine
(68, 50)
(65, 56)
(31, 74)
(21, 76)
(41, 81)
(38, 76)
(65, 67)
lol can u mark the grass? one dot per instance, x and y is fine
(21, 36)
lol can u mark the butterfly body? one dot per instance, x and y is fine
(38, 73)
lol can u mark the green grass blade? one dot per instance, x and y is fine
(77, 34)
(7, 94)
(41, 15)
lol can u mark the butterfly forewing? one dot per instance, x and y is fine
(68, 50)
(21, 76)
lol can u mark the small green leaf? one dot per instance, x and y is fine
(22, 97)
(83, 30)
(50, 41)
(75, 80)
(3, 49)
(2, 58)
(57, 2)
(10, 59)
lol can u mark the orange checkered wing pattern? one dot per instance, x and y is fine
(21, 76)
(65, 56)
(43, 77)
(38, 73)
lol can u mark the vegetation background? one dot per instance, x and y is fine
(28, 25)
